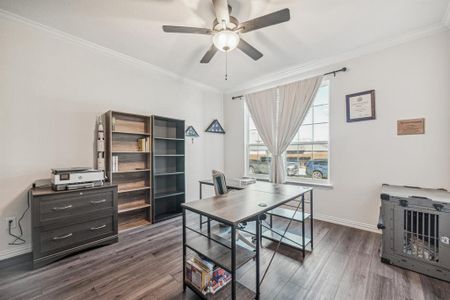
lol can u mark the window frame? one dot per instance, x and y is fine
(301, 180)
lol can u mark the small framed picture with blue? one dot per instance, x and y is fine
(215, 127)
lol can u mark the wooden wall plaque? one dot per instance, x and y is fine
(411, 126)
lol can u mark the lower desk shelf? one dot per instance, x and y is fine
(288, 213)
(218, 253)
(290, 239)
(242, 292)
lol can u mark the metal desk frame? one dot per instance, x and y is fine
(236, 186)
(234, 227)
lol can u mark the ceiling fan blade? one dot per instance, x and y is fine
(185, 29)
(222, 12)
(249, 50)
(265, 21)
(209, 54)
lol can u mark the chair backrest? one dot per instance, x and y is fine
(220, 185)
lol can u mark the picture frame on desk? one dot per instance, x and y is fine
(360, 106)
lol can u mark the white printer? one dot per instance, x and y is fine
(76, 178)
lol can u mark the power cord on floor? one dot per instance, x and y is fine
(18, 239)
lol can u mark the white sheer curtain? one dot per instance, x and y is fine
(262, 107)
(277, 122)
(294, 101)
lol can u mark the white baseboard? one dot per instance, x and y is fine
(14, 251)
(348, 223)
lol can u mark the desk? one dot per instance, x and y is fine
(232, 209)
(295, 241)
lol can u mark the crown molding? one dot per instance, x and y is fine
(446, 18)
(67, 37)
(267, 79)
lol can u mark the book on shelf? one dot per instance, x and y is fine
(205, 276)
(204, 263)
(144, 144)
(115, 163)
(219, 279)
(198, 276)
(147, 144)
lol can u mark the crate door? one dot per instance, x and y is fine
(416, 234)
(444, 238)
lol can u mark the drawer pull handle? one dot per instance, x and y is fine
(97, 228)
(98, 201)
(62, 237)
(62, 207)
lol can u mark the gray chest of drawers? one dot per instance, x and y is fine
(69, 221)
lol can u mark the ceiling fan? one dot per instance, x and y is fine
(226, 30)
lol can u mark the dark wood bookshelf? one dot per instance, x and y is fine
(133, 174)
(168, 167)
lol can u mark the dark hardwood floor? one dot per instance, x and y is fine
(147, 264)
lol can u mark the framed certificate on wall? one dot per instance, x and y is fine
(361, 106)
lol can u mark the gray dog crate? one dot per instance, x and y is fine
(416, 229)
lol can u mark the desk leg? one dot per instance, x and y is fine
(200, 195)
(233, 262)
(311, 218)
(258, 240)
(209, 227)
(303, 226)
(184, 250)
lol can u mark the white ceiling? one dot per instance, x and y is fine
(318, 29)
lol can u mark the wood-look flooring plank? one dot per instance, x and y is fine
(146, 264)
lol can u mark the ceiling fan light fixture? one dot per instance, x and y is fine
(226, 40)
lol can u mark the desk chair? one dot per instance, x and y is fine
(220, 187)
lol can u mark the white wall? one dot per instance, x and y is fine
(411, 81)
(52, 89)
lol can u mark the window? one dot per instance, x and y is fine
(307, 156)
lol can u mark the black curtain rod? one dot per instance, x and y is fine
(344, 69)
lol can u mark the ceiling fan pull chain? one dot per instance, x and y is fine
(226, 65)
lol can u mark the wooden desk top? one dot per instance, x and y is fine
(238, 206)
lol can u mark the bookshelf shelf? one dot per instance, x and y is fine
(167, 138)
(129, 221)
(131, 133)
(168, 148)
(131, 171)
(136, 205)
(169, 173)
(121, 191)
(131, 152)
(129, 164)
(168, 194)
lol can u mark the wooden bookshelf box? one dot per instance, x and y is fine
(128, 142)
(131, 181)
(128, 138)
(130, 123)
(168, 207)
(164, 146)
(167, 184)
(133, 162)
(168, 128)
(168, 164)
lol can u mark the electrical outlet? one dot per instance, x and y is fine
(13, 224)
